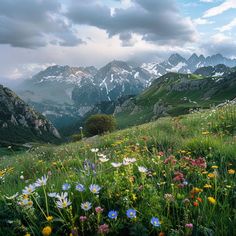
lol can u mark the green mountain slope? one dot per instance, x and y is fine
(175, 94)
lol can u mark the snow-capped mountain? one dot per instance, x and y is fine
(114, 80)
(64, 74)
(55, 90)
(176, 63)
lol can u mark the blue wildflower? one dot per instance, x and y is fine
(94, 188)
(155, 222)
(65, 186)
(131, 213)
(112, 214)
(80, 187)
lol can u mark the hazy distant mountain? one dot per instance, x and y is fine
(20, 123)
(64, 93)
(176, 63)
(56, 83)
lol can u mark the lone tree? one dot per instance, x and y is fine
(99, 124)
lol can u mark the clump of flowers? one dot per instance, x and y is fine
(103, 229)
(155, 222)
(212, 200)
(112, 214)
(82, 218)
(66, 186)
(86, 206)
(94, 188)
(47, 231)
(178, 176)
(171, 159)
(116, 165)
(63, 201)
(131, 213)
(80, 187)
(41, 181)
(28, 189)
(142, 169)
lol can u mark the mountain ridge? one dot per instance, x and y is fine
(20, 123)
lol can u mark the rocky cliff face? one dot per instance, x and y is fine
(20, 123)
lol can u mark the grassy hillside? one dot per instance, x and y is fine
(176, 94)
(174, 176)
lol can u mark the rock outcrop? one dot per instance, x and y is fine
(20, 123)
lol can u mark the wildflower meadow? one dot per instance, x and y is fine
(174, 176)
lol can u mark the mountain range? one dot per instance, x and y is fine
(65, 94)
(177, 63)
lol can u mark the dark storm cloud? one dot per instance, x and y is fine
(156, 21)
(34, 23)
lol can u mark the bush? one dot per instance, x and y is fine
(99, 124)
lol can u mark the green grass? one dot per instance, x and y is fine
(178, 102)
(181, 140)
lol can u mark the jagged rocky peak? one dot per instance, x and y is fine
(116, 66)
(17, 117)
(175, 59)
(176, 63)
(193, 59)
(64, 74)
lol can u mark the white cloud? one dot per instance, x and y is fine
(207, 1)
(225, 6)
(220, 43)
(219, 38)
(229, 26)
(201, 21)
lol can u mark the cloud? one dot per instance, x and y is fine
(228, 27)
(34, 23)
(225, 6)
(207, 1)
(220, 43)
(201, 21)
(155, 21)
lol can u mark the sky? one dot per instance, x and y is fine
(35, 34)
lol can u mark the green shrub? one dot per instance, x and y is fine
(99, 124)
(76, 137)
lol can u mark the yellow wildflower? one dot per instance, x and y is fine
(134, 197)
(196, 190)
(214, 167)
(207, 186)
(47, 231)
(205, 172)
(27, 234)
(212, 200)
(211, 175)
(49, 218)
(231, 171)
